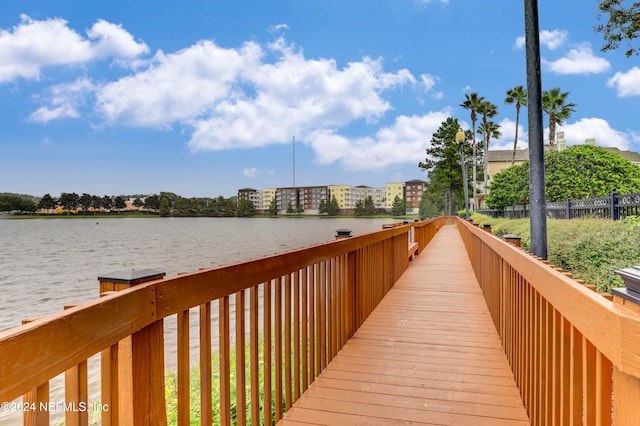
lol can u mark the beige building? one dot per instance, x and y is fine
(268, 194)
(344, 195)
(391, 190)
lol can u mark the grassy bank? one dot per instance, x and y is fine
(591, 249)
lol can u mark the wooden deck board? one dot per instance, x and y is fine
(428, 354)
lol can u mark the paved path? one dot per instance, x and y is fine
(428, 354)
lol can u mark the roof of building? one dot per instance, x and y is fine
(632, 156)
(500, 155)
(507, 155)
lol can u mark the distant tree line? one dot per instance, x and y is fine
(87, 203)
(174, 205)
(17, 203)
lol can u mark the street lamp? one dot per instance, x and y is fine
(460, 137)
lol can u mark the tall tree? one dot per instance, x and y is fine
(85, 202)
(488, 130)
(119, 203)
(47, 202)
(554, 103)
(442, 164)
(69, 201)
(518, 97)
(487, 110)
(399, 206)
(273, 206)
(623, 24)
(472, 102)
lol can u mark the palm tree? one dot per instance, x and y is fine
(487, 110)
(554, 103)
(517, 96)
(472, 103)
(489, 130)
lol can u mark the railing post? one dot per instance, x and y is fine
(35, 399)
(513, 239)
(133, 369)
(615, 215)
(626, 388)
(568, 207)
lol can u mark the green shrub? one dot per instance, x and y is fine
(591, 249)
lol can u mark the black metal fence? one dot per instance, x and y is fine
(614, 206)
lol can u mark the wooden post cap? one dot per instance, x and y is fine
(631, 289)
(132, 277)
(513, 239)
(343, 233)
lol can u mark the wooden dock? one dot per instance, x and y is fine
(428, 354)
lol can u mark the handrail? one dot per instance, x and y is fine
(305, 304)
(575, 355)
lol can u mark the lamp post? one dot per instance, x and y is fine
(460, 137)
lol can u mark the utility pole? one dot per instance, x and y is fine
(294, 161)
(537, 200)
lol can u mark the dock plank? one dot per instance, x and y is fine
(428, 354)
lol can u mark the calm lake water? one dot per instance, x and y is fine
(48, 263)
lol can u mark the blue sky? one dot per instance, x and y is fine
(203, 98)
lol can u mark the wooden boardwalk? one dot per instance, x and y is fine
(428, 354)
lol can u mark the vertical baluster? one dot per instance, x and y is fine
(254, 356)
(76, 392)
(184, 404)
(312, 324)
(296, 335)
(588, 382)
(241, 386)
(206, 403)
(109, 385)
(604, 371)
(287, 342)
(267, 352)
(575, 387)
(278, 347)
(305, 327)
(225, 361)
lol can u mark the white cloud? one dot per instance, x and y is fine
(626, 84)
(576, 133)
(295, 95)
(551, 39)
(63, 101)
(32, 45)
(278, 27)
(45, 114)
(177, 87)
(112, 40)
(580, 60)
(404, 142)
(428, 81)
(249, 171)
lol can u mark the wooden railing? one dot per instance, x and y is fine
(281, 319)
(575, 355)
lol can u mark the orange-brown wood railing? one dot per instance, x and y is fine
(298, 309)
(575, 355)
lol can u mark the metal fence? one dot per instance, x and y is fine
(614, 206)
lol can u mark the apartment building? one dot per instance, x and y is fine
(344, 195)
(392, 190)
(310, 197)
(253, 195)
(413, 193)
(307, 197)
